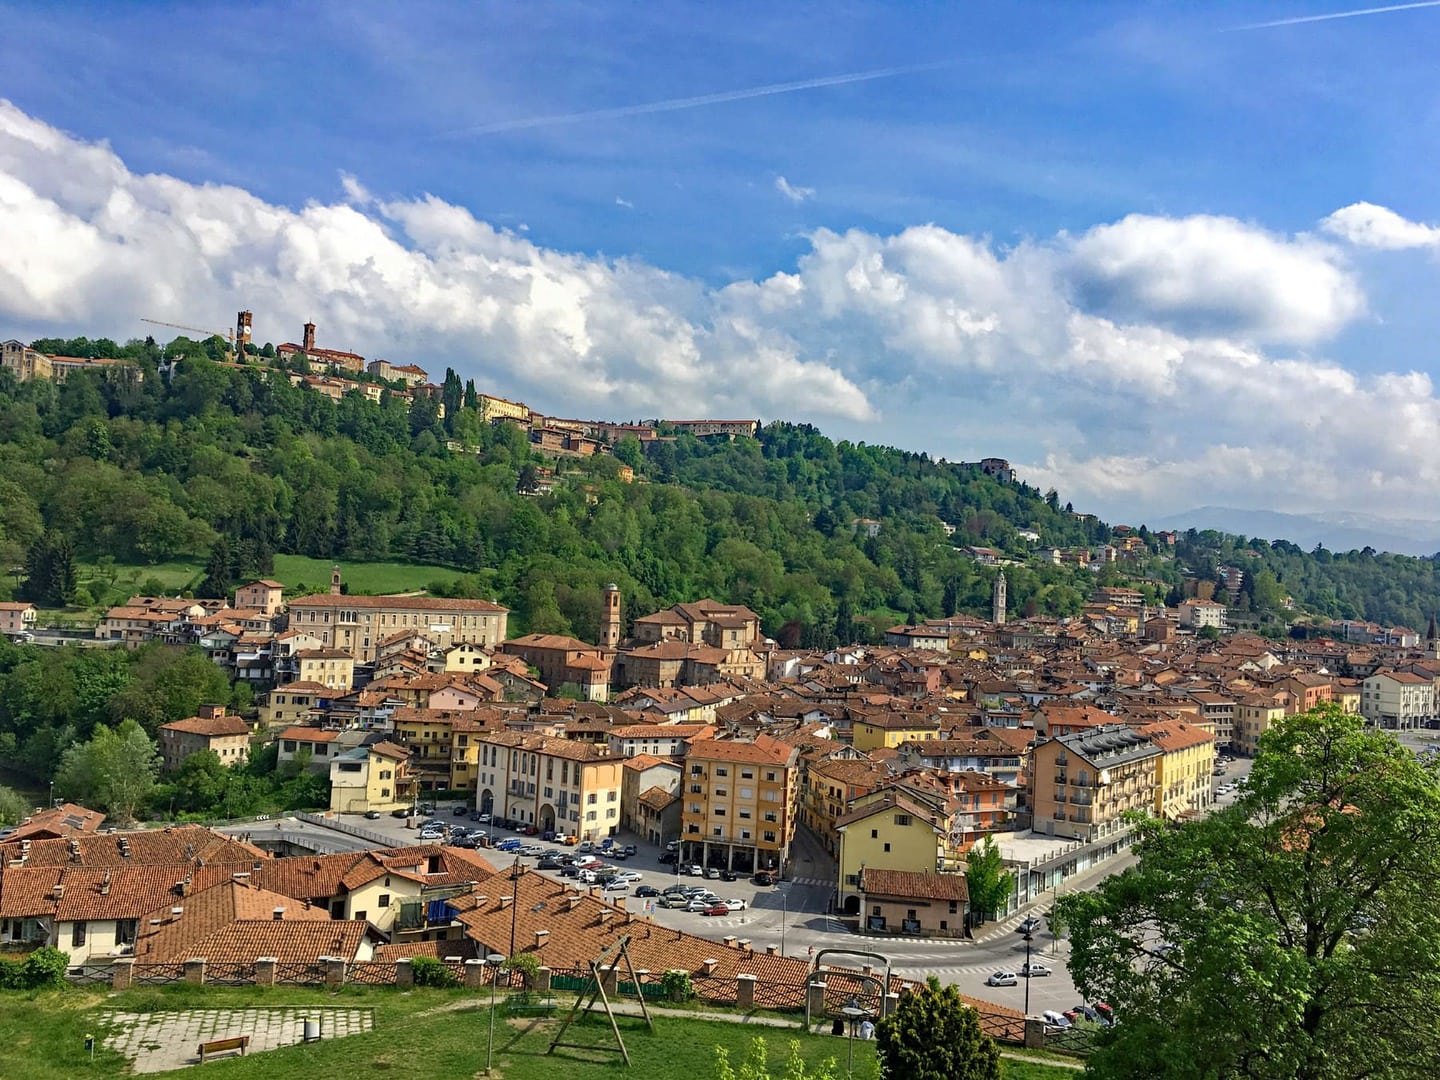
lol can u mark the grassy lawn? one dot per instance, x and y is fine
(421, 1034)
(361, 577)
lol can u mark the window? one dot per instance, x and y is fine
(719, 831)
(77, 934)
(902, 819)
(361, 915)
(719, 811)
(887, 847)
(770, 835)
(771, 777)
(610, 813)
(384, 774)
(747, 793)
(721, 792)
(125, 931)
(590, 815)
(722, 771)
(771, 816)
(591, 798)
(852, 879)
(384, 899)
(744, 834)
(747, 774)
(874, 834)
(744, 815)
(612, 796)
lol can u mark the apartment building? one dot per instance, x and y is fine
(891, 829)
(1081, 784)
(1398, 700)
(563, 660)
(739, 803)
(16, 618)
(1198, 614)
(892, 729)
(1255, 714)
(375, 777)
(558, 785)
(1184, 774)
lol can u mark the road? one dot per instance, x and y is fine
(793, 916)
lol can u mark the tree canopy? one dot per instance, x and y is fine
(934, 1035)
(1291, 935)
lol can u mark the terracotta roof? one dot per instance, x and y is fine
(64, 820)
(209, 726)
(165, 936)
(410, 603)
(763, 750)
(145, 847)
(308, 734)
(906, 885)
(657, 798)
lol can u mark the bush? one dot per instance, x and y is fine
(43, 969)
(525, 963)
(677, 984)
(431, 972)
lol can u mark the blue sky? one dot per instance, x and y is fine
(1142, 191)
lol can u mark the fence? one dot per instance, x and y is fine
(91, 975)
(157, 974)
(230, 974)
(1072, 1040)
(304, 974)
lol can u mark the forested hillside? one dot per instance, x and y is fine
(230, 466)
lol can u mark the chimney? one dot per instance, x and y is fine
(772, 950)
(573, 899)
(278, 914)
(709, 966)
(105, 884)
(176, 912)
(506, 901)
(541, 937)
(729, 940)
(604, 916)
(744, 944)
(58, 892)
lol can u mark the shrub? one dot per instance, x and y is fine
(431, 972)
(525, 963)
(677, 984)
(43, 969)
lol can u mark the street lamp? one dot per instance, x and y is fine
(1029, 937)
(853, 1014)
(493, 960)
(784, 917)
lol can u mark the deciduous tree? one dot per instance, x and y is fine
(1293, 934)
(934, 1035)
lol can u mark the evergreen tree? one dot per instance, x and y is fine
(987, 880)
(452, 396)
(219, 570)
(50, 571)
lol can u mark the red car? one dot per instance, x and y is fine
(716, 909)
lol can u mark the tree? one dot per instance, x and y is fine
(934, 1035)
(1291, 934)
(13, 806)
(219, 570)
(115, 769)
(756, 1065)
(50, 571)
(988, 882)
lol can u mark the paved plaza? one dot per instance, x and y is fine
(159, 1041)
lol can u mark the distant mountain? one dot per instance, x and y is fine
(1337, 531)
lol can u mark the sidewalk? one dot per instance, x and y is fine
(1043, 903)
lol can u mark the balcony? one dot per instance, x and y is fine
(1060, 779)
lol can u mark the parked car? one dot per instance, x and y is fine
(618, 854)
(616, 885)
(1055, 1019)
(729, 875)
(712, 872)
(1002, 978)
(699, 906)
(461, 810)
(531, 830)
(646, 890)
(630, 875)
(372, 815)
(532, 850)
(549, 862)
(508, 844)
(764, 877)
(570, 870)
(425, 811)
(694, 870)
(735, 905)
(585, 845)
(716, 909)
(1033, 970)
(673, 890)
(400, 811)
(669, 857)
(589, 877)
(1029, 926)
(675, 900)
(631, 849)
(476, 815)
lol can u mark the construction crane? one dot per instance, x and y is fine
(229, 336)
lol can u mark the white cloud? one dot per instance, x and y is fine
(1133, 364)
(1213, 275)
(1367, 225)
(793, 192)
(624, 202)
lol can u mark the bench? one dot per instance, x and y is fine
(220, 1046)
(514, 1006)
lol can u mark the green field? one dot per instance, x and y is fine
(114, 583)
(419, 1034)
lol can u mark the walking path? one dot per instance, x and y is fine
(160, 1041)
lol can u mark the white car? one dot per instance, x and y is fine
(1002, 978)
(700, 905)
(629, 875)
(735, 905)
(1033, 970)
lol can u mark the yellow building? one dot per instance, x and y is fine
(1254, 715)
(891, 729)
(333, 669)
(739, 803)
(375, 777)
(1183, 778)
(212, 729)
(558, 785)
(890, 829)
(497, 408)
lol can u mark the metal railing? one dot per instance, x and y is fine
(157, 974)
(371, 973)
(1072, 1040)
(1003, 1028)
(91, 975)
(302, 974)
(230, 974)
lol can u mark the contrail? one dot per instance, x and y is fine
(1333, 15)
(676, 104)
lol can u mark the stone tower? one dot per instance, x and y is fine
(997, 599)
(610, 620)
(307, 343)
(242, 334)
(335, 581)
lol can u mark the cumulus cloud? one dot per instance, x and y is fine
(1142, 363)
(793, 192)
(1367, 225)
(1212, 275)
